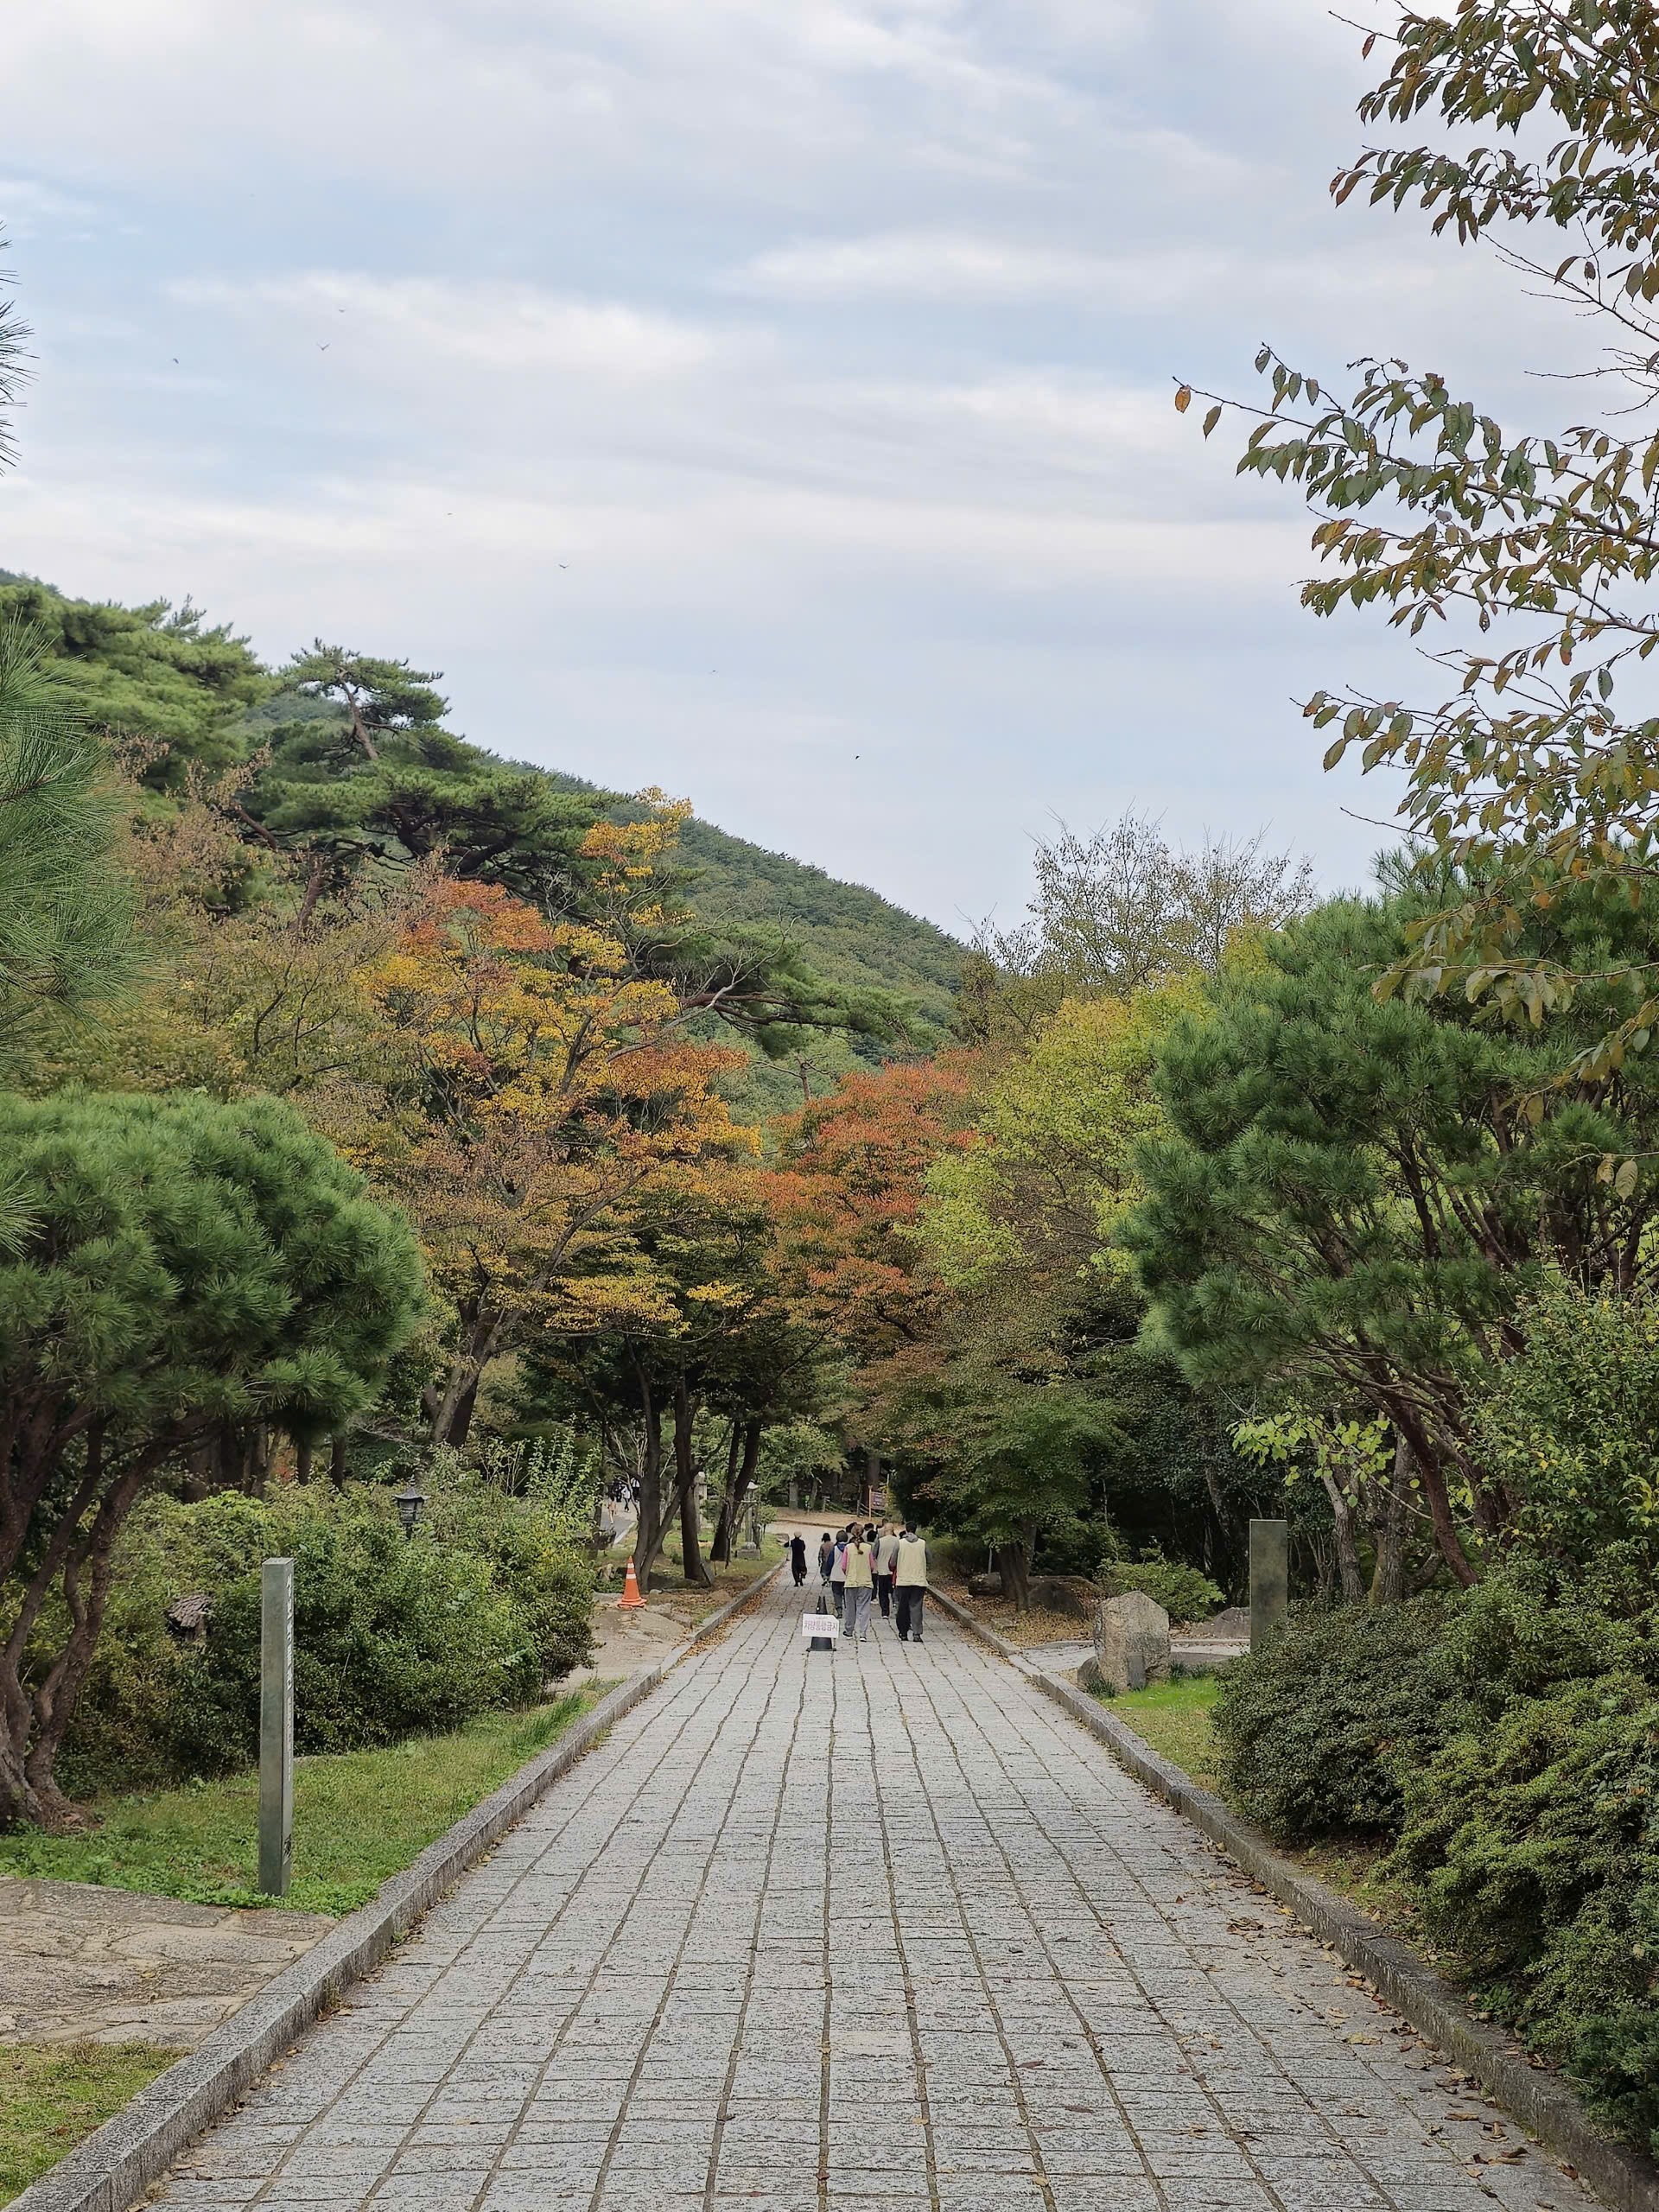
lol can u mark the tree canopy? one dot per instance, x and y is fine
(1354, 1194)
(1529, 553)
(190, 1277)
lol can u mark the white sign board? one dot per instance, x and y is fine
(817, 1624)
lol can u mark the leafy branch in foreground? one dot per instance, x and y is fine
(1535, 770)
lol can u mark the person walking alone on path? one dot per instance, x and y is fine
(887, 1553)
(910, 1580)
(838, 1572)
(826, 1558)
(860, 1581)
(797, 1561)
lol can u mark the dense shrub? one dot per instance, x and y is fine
(391, 1639)
(549, 1576)
(1530, 1628)
(1316, 1730)
(1531, 1846)
(1567, 1426)
(1184, 1593)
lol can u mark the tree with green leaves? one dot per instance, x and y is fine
(1120, 912)
(66, 911)
(1355, 1194)
(161, 677)
(1020, 1225)
(361, 775)
(188, 1278)
(1532, 555)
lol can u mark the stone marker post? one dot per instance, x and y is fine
(275, 1725)
(1269, 1579)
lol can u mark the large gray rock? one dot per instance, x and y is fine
(1131, 1642)
(1070, 1594)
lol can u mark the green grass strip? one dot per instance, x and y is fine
(358, 1817)
(52, 2095)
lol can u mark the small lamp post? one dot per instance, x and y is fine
(410, 1502)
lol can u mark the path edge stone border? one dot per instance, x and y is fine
(115, 2165)
(1542, 2104)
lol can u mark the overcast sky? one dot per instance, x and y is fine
(767, 399)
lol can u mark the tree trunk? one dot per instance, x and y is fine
(1342, 1517)
(460, 1425)
(34, 1720)
(1012, 1566)
(1388, 1576)
(738, 1490)
(720, 1551)
(692, 1563)
(1432, 1478)
(315, 877)
(449, 1411)
(649, 1528)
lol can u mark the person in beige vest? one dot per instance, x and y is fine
(860, 1581)
(887, 1553)
(910, 1583)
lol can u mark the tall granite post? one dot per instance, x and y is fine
(275, 1725)
(1269, 1579)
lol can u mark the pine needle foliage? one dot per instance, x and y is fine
(66, 911)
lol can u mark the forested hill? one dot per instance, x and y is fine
(167, 676)
(847, 932)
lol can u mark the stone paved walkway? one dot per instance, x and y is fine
(886, 1931)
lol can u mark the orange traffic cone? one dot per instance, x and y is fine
(630, 1601)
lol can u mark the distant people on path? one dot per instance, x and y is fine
(861, 1583)
(838, 1573)
(797, 1561)
(887, 1554)
(910, 1583)
(826, 1558)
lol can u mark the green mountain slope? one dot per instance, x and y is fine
(167, 677)
(848, 932)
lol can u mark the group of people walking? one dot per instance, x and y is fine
(862, 1565)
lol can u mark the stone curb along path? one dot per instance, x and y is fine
(1542, 2104)
(114, 2167)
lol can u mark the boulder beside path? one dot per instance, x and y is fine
(1131, 1644)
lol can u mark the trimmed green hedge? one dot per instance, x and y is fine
(392, 1638)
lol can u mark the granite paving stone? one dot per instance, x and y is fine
(879, 1931)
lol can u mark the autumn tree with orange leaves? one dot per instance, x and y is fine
(846, 1195)
(537, 1085)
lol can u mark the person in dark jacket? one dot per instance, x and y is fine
(797, 1561)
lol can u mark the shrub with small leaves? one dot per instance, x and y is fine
(1184, 1592)
(1531, 1846)
(1316, 1730)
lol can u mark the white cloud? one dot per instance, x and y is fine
(506, 328)
(719, 388)
(925, 265)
